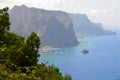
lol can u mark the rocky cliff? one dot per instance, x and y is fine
(55, 28)
(83, 26)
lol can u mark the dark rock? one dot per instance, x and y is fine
(85, 51)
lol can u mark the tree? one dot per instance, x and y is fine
(4, 24)
(29, 55)
(4, 28)
(33, 41)
(4, 20)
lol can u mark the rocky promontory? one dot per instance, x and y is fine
(55, 28)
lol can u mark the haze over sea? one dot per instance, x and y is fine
(101, 63)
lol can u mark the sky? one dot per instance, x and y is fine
(106, 12)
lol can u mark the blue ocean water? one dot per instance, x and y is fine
(101, 63)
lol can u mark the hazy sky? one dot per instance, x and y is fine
(105, 11)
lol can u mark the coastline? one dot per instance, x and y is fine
(82, 42)
(47, 49)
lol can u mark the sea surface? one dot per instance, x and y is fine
(101, 63)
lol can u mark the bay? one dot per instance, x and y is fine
(101, 63)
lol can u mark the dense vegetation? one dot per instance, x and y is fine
(19, 56)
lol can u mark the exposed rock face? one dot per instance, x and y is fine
(83, 26)
(55, 28)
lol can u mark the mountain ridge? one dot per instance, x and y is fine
(84, 26)
(25, 20)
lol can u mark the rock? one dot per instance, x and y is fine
(85, 51)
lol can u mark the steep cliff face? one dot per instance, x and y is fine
(83, 26)
(55, 28)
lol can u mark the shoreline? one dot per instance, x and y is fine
(49, 49)
(82, 43)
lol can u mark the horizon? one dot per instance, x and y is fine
(100, 11)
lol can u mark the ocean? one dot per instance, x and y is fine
(101, 63)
